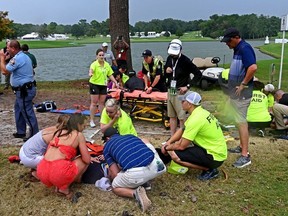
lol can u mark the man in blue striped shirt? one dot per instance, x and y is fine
(131, 164)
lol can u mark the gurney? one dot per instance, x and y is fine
(148, 107)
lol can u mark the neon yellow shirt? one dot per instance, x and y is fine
(258, 108)
(124, 78)
(270, 98)
(123, 124)
(100, 74)
(203, 129)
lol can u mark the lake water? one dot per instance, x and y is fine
(73, 63)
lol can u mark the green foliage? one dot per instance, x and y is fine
(5, 25)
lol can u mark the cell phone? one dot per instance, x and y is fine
(120, 37)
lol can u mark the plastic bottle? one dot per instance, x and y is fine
(160, 166)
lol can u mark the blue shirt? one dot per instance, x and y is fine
(128, 151)
(21, 69)
(243, 58)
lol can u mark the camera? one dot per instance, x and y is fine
(120, 37)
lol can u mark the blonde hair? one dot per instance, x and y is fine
(111, 102)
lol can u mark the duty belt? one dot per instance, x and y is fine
(27, 85)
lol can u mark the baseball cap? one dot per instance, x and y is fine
(104, 44)
(191, 97)
(269, 88)
(146, 53)
(230, 33)
(174, 47)
(110, 132)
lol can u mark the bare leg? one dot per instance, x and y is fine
(102, 99)
(81, 169)
(244, 137)
(93, 106)
(173, 125)
(124, 192)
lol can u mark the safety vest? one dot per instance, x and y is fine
(156, 60)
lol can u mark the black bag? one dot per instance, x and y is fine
(93, 173)
(46, 106)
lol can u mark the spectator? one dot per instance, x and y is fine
(268, 90)
(60, 167)
(121, 47)
(177, 69)
(153, 70)
(24, 85)
(25, 49)
(113, 116)
(131, 164)
(98, 72)
(109, 56)
(240, 86)
(200, 144)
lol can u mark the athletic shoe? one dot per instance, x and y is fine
(261, 133)
(142, 199)
(242, 161)
(208, 175)
(147, 186)
(92, 124)
(237, 150)
(16, 135)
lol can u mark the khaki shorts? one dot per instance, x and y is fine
(239, 109)
(134, 177)
(174, 107)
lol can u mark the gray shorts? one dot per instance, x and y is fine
(239, 109)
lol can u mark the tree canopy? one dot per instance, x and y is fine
(5, 25)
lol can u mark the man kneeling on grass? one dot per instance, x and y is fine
(132, 163)
(200, 144)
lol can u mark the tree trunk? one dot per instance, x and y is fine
(119, 24)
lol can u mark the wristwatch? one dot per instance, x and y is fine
(188, 86)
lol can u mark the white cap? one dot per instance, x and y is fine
(104, 44)
(191, 97)
(174, 47)
(269, 88)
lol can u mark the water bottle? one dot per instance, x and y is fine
(160, 166)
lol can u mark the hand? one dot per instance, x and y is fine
(2, 54)
(117, 115)
(183, 90)
(117, 85)
(239, 89)
(169, 70)
(163, 150)
(149, 90)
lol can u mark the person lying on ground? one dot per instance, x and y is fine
(200, 144)
(113, 116)
(60, 167)
(131, 163)
(33, 150)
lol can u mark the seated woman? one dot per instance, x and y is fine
(60, 167)
(118, 77)
(113, 116)
(258, 116)
(33, 150)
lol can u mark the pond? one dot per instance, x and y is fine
(73, 63)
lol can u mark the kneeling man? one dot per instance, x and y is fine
(131, 164)
(200, 144)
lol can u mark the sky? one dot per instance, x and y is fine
(71, 11)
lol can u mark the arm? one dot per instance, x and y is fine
(176, 137)
(90, 72)
(111, 77)
(156, 80)
(3, 64)
(85, 156)
(249, 75)
(113, 171)
(103, 126)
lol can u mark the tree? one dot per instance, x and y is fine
(119, 23)
(5, 25)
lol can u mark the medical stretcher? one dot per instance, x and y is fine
(148, 107)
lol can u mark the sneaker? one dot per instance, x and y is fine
(142, 199)
(147, 186)
(16, 135)
(261, 133)
(209, 174)
(242, 161)
(92, 124)
(237, 150)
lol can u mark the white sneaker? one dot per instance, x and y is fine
(92, 124)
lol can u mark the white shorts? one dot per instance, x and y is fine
(28, 161)
(134, 177)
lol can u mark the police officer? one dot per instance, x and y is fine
(154, 66)
(24, 86)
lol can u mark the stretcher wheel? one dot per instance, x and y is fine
(167, 124)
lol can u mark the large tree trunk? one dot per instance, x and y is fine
(119, 24)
